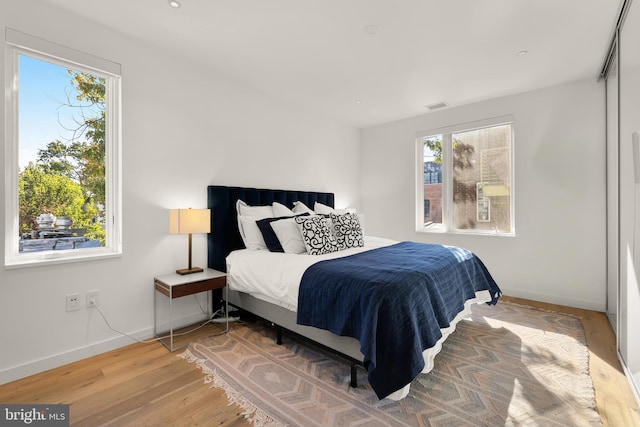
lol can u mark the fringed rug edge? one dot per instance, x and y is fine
(251, 412)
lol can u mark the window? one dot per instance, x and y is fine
(466, 178)
(63, 153)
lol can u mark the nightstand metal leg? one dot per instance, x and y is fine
(155, 312)
(171, 319)
(177, 286)
(226, 305)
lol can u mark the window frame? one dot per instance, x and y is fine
(447, 177)
(17, 43)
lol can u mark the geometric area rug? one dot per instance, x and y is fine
(505, 365)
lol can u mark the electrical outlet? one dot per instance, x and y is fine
(92, 298)
(73, 302)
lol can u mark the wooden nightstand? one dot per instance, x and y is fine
(175, 286)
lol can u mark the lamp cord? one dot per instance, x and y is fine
(210, 320)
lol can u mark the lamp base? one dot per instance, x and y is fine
(184, 271)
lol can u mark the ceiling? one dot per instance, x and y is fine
(368, 62)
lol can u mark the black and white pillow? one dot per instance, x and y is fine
(317, 237)
(269, 234)
(348, 230)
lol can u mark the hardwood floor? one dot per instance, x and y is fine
(145, 385)
(137, 385)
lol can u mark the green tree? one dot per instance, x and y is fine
(434, 143)
(68, 178)
(462, 159)
(42, 192)
(83, 157)
(91, 89)
(462, 152)
(60, 158)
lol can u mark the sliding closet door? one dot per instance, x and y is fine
(612, 191)
(629, 309)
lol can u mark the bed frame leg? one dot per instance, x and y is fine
(354, 376)
(278, 336)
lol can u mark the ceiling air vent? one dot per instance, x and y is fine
(437, 105)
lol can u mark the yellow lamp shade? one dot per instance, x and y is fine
(186, 221)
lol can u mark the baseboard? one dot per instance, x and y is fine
(613, 321)
(54, 361)
(632, 383)
(554, 299)
(57, 360)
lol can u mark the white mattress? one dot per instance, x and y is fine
(275, 277)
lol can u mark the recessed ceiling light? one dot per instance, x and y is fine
(523, 52)
(358, 101)
(174, 4)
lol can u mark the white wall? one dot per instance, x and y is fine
(184, 127)
(558, 253)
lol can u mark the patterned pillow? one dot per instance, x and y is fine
(316, 235)
(348, 230)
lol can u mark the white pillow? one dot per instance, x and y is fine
(289, 236)
(299, 207)
(251, 234)
(281, 210)
(262, 211)
(321, 209)
(257, 212)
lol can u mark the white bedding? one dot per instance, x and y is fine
(275, 277)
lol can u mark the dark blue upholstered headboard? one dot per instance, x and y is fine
(224, 236)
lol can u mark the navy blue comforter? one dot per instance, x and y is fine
(394, 300)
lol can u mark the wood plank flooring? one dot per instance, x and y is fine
(145, 385)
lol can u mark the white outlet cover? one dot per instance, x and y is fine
(95, 295)
(73, 302)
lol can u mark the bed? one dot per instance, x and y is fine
(394, 334)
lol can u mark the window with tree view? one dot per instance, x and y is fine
(63, 121)
(466, 179)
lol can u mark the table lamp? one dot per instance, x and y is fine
(188, 221)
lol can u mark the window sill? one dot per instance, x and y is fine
(441, 230)
(52, 258)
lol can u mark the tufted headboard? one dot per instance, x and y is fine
(224, 236)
